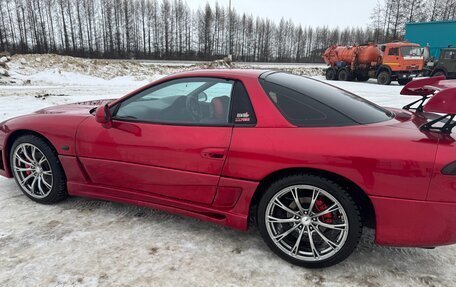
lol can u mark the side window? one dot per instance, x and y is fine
(449, 55)
(172, 90)
(242, 113)
(219, 90)
(204, 101)
(393, 52)
(302, 110)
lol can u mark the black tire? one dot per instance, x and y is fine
(331, 74)
(344, 75)
(438, 74)
(404, 82)
(58, 192)
(384, 78)
(350, 208)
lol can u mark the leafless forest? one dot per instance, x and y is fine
(164, 29)
(390, 16)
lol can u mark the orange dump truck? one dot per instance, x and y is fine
(397, 61)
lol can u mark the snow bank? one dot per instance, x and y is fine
(55, 69)
(60, 69)
(56, 76)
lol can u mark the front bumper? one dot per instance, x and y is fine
(414, 223)
(407, 74)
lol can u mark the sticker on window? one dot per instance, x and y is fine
(242, 117)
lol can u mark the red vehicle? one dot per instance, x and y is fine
(309, 163)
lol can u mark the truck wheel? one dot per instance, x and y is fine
(438, 74)
(384, 78)
(344, 75)
(331, 74)
(404, 82)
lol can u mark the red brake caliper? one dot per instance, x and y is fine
(320, 206)
(28, 172)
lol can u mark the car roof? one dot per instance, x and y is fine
(223, 73)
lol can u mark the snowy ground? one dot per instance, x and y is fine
(83, 242)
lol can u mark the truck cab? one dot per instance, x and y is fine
(402, 61)
(446, 64)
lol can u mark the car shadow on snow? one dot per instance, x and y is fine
(374, 263)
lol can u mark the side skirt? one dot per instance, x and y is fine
(207, 213)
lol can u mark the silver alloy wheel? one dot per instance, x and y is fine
(32, 170)
(306, 222)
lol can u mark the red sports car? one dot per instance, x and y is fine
(308, 163)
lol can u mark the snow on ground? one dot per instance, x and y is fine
(83, 242)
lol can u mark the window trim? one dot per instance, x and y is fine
(399, 52)
(114, 109)
(450, 53)
(233, 112)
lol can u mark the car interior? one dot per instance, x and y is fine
(205, 104)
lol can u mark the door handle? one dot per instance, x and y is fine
(214, 153)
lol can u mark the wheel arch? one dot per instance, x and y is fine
(440, 69)
(359, 196)
(383, 68)
(12, 138)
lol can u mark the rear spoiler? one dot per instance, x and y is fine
(424, 88)
(442, 99)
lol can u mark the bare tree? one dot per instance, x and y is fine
(169, 29)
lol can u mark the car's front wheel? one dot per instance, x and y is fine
(309, 221)
(37, 170)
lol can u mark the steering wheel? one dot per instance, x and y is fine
(193, 107)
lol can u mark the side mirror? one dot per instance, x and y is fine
(103, 116)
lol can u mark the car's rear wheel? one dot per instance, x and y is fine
(309, 221)
(37, 170)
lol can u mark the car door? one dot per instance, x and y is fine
(169, 140)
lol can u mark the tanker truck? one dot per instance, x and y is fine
(397, 61)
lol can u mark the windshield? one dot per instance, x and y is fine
(411, 51)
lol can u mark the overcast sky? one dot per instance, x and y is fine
(307, 12)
